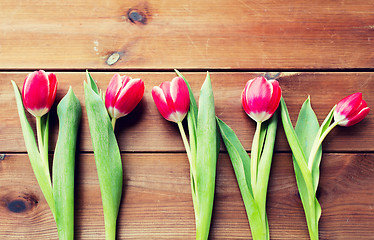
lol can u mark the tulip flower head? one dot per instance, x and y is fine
(351, 110)
(260, 98)
(172, 99)
(122, 95)
(39, 92)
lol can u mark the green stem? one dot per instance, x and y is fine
(114, 122)
(44, 158)
(42, 152)
(192, 176)
(110, 231)
(317, 143)
(187, 146)
(39, 136)
(254, 155)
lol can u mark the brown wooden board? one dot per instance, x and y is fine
(167, 34)
(144, 130)
(157, 201)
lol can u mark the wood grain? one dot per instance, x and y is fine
(165, 34)
(157, 200)
(145, 130)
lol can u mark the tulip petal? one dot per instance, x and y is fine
(354, 112)
(159, 98)
(52, 89)
(127, 84)
(180, 95)
(129, 96)
(258, 95)
(349, 104)
(166, 86)
(357, 118)
(275, 98)
(112, 90)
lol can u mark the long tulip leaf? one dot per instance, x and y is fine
(303, 174)
(92, 83)
(192, 122)
(206, 158)
(240, 160)
(292, 139)
(191, 119)
(307, 128)
(241, 164)
(69, 113)
(41, 170)
(107, 158)
(264, 167)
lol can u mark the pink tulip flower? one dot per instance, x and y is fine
(260, 98)
(122, 95)
(172, 99)
(39, 92)
(351, 110)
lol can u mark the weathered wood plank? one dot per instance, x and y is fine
(157, 201)
(195, 34)
(145, 130)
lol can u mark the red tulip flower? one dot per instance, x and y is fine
(351, 110)
(260, 98)
(122, 95)
(39, 92)
(172, 99)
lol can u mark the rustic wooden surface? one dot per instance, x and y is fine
(327, 45)
(161, 34)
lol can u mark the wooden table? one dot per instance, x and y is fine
(323, 49)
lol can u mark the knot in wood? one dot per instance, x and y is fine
(136, 16)
(113, 58)
(17, 206)
(20, 204)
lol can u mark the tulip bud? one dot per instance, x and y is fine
(351, 110)
(260, 98)
(172, 99)
(122, 95)
(39, 92)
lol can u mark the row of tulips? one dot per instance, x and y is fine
(175, 101)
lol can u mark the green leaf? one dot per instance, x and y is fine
(303, 174)
(240, 160)
(41, 170)
(191, 118)
(107, 158)
(264, 167)
(192, 122)
(292, 139)
(241, 164)
(92, 83)
(69, 113)
(206, 159)
(306, 129)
